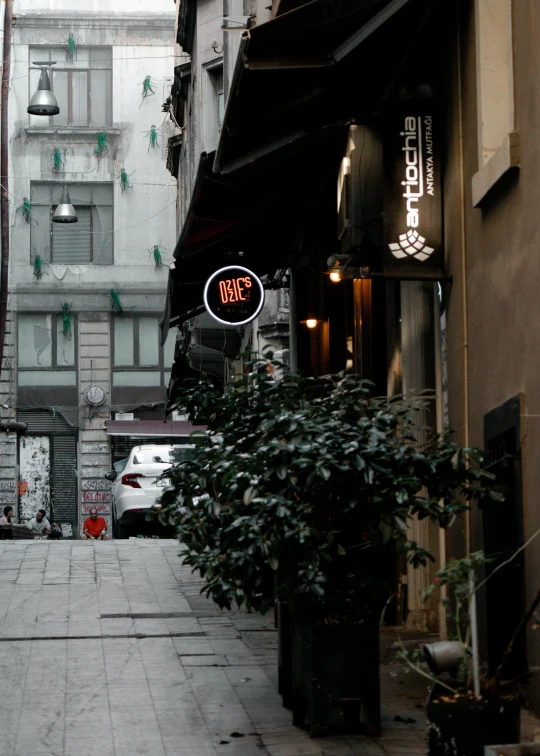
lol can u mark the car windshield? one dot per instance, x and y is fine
(163, 456)
(119, 466)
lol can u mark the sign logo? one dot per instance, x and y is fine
(411, 244)
(233, 295)
(413, 207)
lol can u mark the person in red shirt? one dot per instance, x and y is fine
(95, 528)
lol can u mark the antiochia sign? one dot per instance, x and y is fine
(413, 221)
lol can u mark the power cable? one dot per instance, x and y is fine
(115, 230)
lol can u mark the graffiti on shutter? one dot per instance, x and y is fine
(35, 472)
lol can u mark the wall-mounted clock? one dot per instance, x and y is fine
(95, 395)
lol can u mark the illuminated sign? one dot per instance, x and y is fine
(413, 220)
(233, 295)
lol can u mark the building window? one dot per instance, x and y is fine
(495, 76)
(90, 241)
(83, 88)
(46, 355)
(213, 104)
(138, 360)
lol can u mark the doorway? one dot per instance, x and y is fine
(502, 527)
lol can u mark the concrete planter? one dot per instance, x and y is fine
(336, 665)
(465, 727)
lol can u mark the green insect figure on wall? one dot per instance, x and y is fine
(116, 304)
(71, 48)
(124, 180)
(147, 90)
(157, 253)
(38, 265)
(58, 163)
(26, 209)
(66, 321)
(152, 137)
(102, 147)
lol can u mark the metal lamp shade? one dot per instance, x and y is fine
(444, 656)
(65, 212)
(43, 102)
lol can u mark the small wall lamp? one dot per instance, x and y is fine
(311, 321)
(335, 275)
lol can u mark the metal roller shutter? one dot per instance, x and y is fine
(64, 480)
(121, 447)
(72, 243)
(47, 422)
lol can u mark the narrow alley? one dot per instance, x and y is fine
(109, 648)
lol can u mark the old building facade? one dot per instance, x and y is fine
(209, 35)
(86, 298)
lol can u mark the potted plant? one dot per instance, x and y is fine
(467, 712)
(302, 485)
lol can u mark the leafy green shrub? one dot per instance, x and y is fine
(302, 483)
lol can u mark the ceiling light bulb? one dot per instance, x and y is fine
(335, 276)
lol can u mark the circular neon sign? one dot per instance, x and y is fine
(233, 295)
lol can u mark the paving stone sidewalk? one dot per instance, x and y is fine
(109, 648)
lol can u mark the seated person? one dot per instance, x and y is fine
(39, 525)
(8, 514)
(95, 528)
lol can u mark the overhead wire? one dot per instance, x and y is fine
(114, 231)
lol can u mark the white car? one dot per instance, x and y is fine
(138, 484)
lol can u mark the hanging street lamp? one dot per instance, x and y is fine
(65, 212)
(43, 102)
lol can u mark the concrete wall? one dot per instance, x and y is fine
(494, 307)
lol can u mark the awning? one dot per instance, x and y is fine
(326, 61)
(249, 219)
(300, 79)
(152, 428)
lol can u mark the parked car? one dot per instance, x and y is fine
(138, 483)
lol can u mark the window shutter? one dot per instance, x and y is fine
(72, 242)
(103, 234)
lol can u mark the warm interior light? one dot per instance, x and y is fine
(312, 322)
(335, 276)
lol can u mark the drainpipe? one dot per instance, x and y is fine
(293, 315)
(4, 157)
(464, 304)
(443, 630)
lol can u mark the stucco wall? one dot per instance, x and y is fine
(502, 271)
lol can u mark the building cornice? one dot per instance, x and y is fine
(51, 19)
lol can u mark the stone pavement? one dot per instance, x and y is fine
(109, 648)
